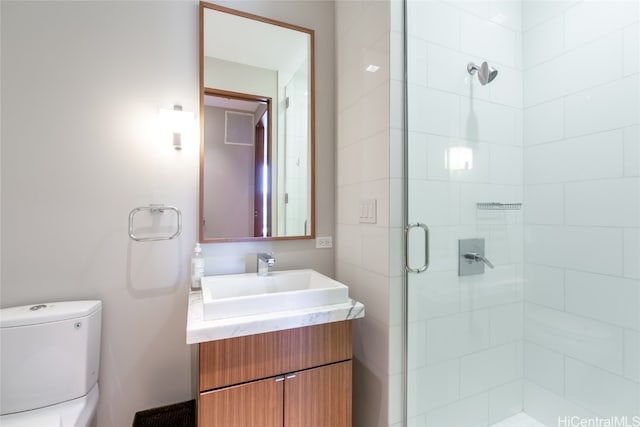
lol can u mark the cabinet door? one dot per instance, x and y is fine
(319, 397)
(318, 345)
(243, 359)
(254, 404)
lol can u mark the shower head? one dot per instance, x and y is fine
(486, 74)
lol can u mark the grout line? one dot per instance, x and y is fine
(577, 92)
(579, 316)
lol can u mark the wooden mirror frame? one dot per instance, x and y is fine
(201, 237)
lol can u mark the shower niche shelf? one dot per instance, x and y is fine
(497, 206)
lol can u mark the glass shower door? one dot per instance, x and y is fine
(465, 358)
(523, 133)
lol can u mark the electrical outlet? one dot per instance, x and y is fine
(324, 242)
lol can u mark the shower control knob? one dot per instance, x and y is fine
(474, 257)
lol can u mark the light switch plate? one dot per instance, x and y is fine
(368, 211)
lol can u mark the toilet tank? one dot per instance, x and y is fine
(49, 353)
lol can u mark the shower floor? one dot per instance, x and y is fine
(519, 420)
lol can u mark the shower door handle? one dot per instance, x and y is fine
(424, 266)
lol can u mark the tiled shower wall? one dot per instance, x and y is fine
(367, 255)
(563, 116)
(465, 343)
(582, 213)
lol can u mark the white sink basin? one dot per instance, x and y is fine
(246, 294)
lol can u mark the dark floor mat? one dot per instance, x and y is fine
(177, 415)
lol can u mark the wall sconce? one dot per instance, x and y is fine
(176, 121)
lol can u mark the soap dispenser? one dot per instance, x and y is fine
(197, 267)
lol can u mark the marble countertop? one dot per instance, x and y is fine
(200, 330)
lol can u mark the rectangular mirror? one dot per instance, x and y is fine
(256, 128)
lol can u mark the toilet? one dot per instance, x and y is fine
(49, 364)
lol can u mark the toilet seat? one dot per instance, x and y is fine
(73, 413)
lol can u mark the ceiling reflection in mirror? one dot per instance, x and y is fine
(257, 148)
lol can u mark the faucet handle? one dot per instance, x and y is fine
(267, 257)
(474, 257)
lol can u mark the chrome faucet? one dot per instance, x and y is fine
(265, 260)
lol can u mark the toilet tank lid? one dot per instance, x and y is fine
(33, 314)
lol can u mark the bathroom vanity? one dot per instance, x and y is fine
(286, 368)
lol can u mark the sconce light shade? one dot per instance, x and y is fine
(176, 121)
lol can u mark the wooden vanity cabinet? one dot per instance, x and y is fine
(292, 378)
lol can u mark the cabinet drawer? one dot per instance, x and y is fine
(237, 360)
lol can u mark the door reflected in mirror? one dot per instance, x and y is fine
(257, 128)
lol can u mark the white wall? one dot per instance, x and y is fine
(465, 333)
(82, 83)
(582, 205)
(368, 158)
